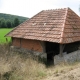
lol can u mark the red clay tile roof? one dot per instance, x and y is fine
(58, 25)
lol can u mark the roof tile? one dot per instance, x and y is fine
(58, 25)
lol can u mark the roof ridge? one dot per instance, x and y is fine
(55, 9)
(73, 11)
(61, 40)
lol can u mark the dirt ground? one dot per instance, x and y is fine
(71, 72)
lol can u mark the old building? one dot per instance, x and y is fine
(50, 31)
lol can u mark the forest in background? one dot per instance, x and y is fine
(10, 21)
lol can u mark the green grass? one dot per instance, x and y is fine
(3, 32)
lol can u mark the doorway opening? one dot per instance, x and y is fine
(71, 47)
(52, 49)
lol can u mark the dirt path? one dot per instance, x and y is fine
(73, 74)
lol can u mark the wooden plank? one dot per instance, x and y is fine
(61, 49)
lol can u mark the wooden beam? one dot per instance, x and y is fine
(61, 49)
(20, 42)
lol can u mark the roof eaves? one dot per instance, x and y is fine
(16, 28)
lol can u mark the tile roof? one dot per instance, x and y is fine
(58, 25)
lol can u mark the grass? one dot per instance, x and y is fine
(3, 32)
(17, 66)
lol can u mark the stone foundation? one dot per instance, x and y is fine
(66, 58)
(22, 50)
(69, 58)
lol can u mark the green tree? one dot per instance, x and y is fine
(3, 23)
(0, 23)
(12, 24)
(8, 24)
(16, 22)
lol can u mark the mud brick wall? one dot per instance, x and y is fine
(16, 42)
(34, 45)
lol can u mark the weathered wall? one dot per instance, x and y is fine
(70, 58)
(16, 42)
(31, 45)
(34, 45)
(34, 53)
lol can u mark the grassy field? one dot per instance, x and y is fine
(3, 32)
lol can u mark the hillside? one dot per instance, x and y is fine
(12, 17)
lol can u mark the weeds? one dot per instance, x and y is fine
(15, 66)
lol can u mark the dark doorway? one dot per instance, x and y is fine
(71, 47)
(52, 49)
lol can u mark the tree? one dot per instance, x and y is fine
(3, 23)
(16, 22)
(0, 23)
(13, 24)
(8, 24)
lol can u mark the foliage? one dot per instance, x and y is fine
(12, 17)
(8, 24)
(16, 22)
(9, 21)
(2, 23)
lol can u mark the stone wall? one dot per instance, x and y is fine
(31, 52)
(69, 58)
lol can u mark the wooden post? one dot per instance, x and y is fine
(20, 42)
(61, 50)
